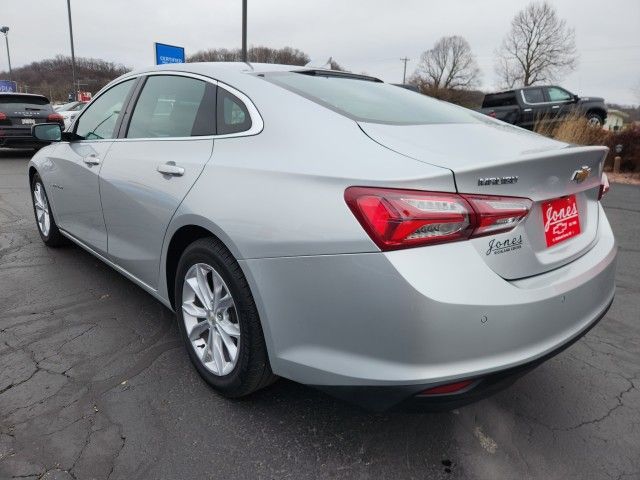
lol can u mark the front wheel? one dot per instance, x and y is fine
(219, 321)
(47, 227)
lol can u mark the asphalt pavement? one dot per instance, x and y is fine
(95, 384)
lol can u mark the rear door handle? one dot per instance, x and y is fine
(171, 169)
(91, 160)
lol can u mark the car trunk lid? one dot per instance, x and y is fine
(492, 158)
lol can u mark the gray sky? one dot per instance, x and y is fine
(362, 35)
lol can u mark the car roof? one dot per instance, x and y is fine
(529, 87)
(16, 94)
(227, 71)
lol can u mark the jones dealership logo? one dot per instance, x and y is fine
(558, 218)
(503, 246)
(497, 180)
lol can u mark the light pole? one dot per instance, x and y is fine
(73, 54)
(404, 74)
(5, 30)
(244, 31)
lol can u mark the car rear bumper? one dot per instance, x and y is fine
(18, 137)
(412, 397)
(422, 317)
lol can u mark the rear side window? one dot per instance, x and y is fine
(505, 99)
(533, 95)
(18, 103)
(233, 116)
(370, 101)
(174, 106)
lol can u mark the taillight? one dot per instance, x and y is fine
(604, 186)
(492, 114)
(497, 214)
(55, 117)
(397, 219)
(3, 116)
(447, 388)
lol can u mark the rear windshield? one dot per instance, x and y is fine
(370, 101)
(24, 102)
(504, 99)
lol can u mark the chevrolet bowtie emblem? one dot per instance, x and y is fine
(581, 175)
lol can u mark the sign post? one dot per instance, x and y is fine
(168, 53)
(8, 86)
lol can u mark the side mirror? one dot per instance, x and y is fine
(47, 132)
(576, 98)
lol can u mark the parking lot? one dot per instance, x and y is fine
(94, 383)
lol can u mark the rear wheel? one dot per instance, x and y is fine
(595, 119)
(47, 226)
(219, 321)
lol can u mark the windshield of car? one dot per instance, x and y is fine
(368, 100)
(70, 107)
(65, 107)
(18, 103)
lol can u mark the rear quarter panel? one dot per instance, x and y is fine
(281, 192)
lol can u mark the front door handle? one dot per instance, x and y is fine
(91, 160)
(171, 169)
(556, 106)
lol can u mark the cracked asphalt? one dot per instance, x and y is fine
(95, 384)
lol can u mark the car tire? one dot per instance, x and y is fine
(45, 221)
(595, 119)
(208, 260)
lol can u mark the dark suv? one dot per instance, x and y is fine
(527, 106)
(18, 113)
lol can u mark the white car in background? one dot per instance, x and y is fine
(70, 111)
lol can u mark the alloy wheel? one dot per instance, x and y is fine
(210, 319)
(42, 209)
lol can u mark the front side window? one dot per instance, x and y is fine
(233, 116)
(533, 95)
(558, 94)
(362, 99)
(100, 118)
(174, 106)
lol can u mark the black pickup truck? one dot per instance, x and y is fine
(527, 106)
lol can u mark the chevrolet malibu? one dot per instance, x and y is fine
(383, 246)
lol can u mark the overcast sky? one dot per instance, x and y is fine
(362, 35)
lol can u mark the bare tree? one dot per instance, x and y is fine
(538, 49)
(450, 64)
(50, 77)
(286, 55)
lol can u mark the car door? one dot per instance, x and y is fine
(165, 143)
(561, 102)
(534, 108)
(75, 166)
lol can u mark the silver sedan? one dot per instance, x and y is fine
(333, 229)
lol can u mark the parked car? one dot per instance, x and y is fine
(69, 111)
(333, 229)
(18, 113)
(526, 106)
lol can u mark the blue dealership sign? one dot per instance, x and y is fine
(8, 86)
(168, 53)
